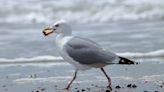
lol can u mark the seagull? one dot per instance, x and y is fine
(82, 53)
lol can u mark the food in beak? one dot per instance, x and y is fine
(47, 31)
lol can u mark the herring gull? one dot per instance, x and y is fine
(82, 53)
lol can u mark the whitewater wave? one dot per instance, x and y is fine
(152, 54)
(80, 11)
(38, 59)
(53, 59)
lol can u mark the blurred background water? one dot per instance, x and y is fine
(80, 11)
(131, 28)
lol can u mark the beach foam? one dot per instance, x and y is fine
(38, 59)
(152, 54)
(47, 59)
(83, 11)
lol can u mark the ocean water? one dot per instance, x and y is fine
(134, 39)
(130, 28)
(79, 11)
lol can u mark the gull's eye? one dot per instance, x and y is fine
(57, 25)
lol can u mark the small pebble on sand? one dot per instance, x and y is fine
(83, 90)
(118, 87)
(129, 85)
(146, 81)
(108, 91)
(134, 86)
(43, 89)
(88, 89)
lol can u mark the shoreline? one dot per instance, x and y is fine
(54, 77)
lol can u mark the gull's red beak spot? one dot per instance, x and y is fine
(47, 31)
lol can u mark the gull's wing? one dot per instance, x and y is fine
(88, 52)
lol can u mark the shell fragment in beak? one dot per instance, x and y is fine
(47, 31)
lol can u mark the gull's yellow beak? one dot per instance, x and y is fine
(47, 31)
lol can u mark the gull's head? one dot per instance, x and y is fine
(60, 27)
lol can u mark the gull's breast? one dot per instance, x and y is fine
(60, 47)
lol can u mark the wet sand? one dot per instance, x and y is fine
(53, 77)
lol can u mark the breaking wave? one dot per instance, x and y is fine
(80, 11)
(38, 59)
(51, 59)
(152, 54)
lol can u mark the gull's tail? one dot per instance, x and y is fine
(126, 61)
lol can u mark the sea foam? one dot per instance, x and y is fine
(37, 59)
(51, 59)
(80, 11)
(152, 54)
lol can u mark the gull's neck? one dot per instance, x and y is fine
(64, 32)
(64, 35)
(62, 38)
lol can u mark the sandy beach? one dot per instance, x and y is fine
(53, 77)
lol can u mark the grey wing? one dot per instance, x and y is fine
(88, 52)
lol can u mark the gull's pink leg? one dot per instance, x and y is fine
(109, 79)
(67, 88)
